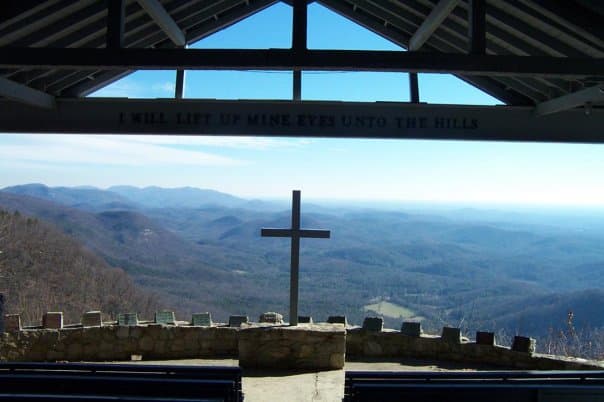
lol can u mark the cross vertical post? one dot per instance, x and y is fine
(295, 259)
(295, 233)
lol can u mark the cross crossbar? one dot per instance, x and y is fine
(310, 233)
(295, 233)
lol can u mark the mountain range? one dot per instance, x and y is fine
(201, 250)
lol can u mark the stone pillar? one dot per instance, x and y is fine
(92, 319)
(1, 313)
(485, 338)
(373, 324)
(127, 319)
(411, 328)
(271, 317)
(13, 322)
(451, 335)
(337, 319)
(304, 319)
(165, 317)
(201, 319)
(524, 344)
(237, 320)
(53, 320)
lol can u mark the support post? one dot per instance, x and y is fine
(297, 91)
(179, 88)
(477, 27)
(115, 23)
(295, 260)
(299, 42)
(414, 87)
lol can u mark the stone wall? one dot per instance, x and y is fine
(393, 344)
(307, 346)
(119, 343)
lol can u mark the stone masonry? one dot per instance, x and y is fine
(119, 343)
(313, 346)
(392, 344)
(309, 346)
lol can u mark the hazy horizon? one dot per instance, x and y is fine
(380, 204)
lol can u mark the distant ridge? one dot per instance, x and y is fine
(84, 197)
(183, 197)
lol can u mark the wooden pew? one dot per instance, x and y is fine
(474, 386)
(99, 382)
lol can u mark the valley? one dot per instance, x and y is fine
(200, 250)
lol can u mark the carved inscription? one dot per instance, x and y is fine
(301, 120)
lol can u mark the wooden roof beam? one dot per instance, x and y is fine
(570, 101)
(24, 94)
(164, 20)
(286, 59)
(440, 12)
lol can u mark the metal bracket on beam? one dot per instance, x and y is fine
(24, 94)
(164, 20)
(438, 14)
(583, 97)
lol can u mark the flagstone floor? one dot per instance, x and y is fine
(322, 386)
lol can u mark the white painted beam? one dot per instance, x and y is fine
(570, 101)
(431, 23)
(164, 20)
(22, 93)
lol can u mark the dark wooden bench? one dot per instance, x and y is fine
(475, 386)
(106, 382)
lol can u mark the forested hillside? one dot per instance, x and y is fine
(42, 270)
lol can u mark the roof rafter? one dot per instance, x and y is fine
(233, 15)
(399, 37)
(570, 101)
(164, 20)
(431, 23)
(24, 94)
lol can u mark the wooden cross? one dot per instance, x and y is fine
(295, 233)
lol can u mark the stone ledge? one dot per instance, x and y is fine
(308, 346)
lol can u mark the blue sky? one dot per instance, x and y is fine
(322, 168)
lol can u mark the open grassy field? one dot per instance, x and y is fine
(391, 310)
